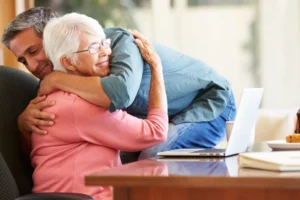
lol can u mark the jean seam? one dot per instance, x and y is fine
(229, 114)
(231, 108)
(180, 133)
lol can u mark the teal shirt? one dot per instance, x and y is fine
(195, 91)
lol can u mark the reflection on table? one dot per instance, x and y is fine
(201, 166)
(187, 178)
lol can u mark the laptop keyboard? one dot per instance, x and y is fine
(212, 150)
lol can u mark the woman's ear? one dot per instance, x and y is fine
(65, 62)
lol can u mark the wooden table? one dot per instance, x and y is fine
(198, 178)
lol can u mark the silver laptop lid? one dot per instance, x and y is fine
(244, 120)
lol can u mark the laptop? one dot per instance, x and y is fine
(241, 130)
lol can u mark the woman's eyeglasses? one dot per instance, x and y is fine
(95, 47)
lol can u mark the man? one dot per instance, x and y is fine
(199, 100)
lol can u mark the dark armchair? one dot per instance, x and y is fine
(17, 88)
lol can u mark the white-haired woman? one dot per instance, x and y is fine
(86, 138)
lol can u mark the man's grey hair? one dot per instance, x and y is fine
(61, 37)
(35, 18)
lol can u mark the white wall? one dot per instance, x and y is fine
(280, 52)
(217, 36)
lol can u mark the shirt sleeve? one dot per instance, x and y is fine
(126, 63)
(119, 130)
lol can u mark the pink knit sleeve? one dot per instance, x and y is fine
(119, 130)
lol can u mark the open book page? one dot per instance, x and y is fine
(276, 161)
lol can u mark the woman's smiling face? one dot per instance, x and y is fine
(92, 56)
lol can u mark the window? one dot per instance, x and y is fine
(109, 13)
(217, 2)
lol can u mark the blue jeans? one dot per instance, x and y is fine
(195, 135)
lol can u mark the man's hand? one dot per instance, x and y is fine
(33, 117)
(47, 85)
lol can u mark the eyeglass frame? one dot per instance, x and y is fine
(101, 44)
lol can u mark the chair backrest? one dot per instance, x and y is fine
(8, 186)
(17, 89)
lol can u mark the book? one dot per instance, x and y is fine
(274, 161)
(251, 172)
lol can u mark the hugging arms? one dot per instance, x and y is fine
(85, 137)
(200, 101)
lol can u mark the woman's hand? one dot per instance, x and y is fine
(147, 50)
(157, 92)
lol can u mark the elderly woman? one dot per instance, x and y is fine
(86, 138)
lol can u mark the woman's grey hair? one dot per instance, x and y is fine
(61, 37)
(35, 18)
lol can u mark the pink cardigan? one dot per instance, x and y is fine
(85, 139)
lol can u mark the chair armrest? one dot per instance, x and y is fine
(55, 196)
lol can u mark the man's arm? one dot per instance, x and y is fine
(127, 132)
(126, 72)
(30, 120)
(88, 88)
(115, 91)
(157, 92)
